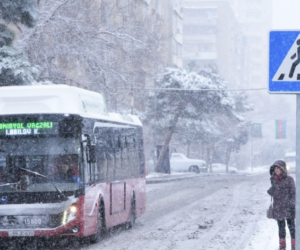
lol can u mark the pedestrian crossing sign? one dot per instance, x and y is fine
(284, 62)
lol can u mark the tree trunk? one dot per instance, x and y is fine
(167, 141)
(208, 164)
(188, 150)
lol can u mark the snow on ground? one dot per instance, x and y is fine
(249, 170)
(232, 218)
(255, 170)
(161, 175)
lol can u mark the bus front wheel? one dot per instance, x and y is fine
(101, 225)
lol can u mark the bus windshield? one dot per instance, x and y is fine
(32, 164)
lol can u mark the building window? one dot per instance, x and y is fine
(254, 39)
(257, 53)
(260, 2)
(257, 66)
(174, 46)
(253, 14)
(200, 13)
(199, 30)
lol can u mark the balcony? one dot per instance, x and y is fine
(201, 56)
(199, 38)
(200, 20)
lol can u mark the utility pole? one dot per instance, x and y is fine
(132, 99)
(154, 130)
(251, 153)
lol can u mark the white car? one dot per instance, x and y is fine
(180, 163)
(221, 168)
(290, 160)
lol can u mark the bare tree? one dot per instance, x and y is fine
(103, 45)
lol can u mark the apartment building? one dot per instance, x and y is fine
(168, 14)
(255, 17)
(213, 36)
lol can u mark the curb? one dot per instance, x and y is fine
(161, 180)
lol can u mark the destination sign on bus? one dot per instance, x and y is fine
(28, 128)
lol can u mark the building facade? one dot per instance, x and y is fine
(213, 36)
(169, 15)
(255, 17)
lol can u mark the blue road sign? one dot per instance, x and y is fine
(284, 62)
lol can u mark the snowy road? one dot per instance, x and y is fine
(213, 212)
(220, 212)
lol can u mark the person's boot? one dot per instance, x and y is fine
(282, 244)
(293, 244)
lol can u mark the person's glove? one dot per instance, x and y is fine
(292, 211)
(271, 191)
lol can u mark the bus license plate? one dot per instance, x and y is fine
(21, 233)
(33, 221)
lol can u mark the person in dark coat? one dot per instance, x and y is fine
(283, 193)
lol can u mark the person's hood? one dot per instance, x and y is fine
(280, 164)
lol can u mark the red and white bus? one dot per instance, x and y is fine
(58, 130)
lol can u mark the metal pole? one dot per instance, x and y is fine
(154, 133)
(298, 172)
(131, 100)
(251, 153)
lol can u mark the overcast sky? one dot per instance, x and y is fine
(286, 14)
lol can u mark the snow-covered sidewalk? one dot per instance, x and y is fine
(265, 236)
(154, 177)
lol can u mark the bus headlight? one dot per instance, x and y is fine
(70, 214)
(73, 210)
(287, 167)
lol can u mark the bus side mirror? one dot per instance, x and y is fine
(91, 153)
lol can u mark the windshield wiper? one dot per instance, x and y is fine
(46, 177)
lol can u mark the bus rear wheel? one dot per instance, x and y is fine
(131, 222)
(101, 229)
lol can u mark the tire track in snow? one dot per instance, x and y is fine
(246, 234)
(226, 218)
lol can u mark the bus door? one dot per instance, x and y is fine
(118, 185)
(89, 149)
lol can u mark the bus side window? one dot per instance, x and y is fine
(118, 153)
(132, 157)
(104, 153)
(124, 157)
(141, 158)
(110, 159)
(136, 158)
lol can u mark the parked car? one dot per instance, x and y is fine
(180, 163)
(290, 160)
(221, 168)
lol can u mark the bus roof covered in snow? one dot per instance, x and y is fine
(58, 99)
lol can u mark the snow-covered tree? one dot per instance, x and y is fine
(188, 96)
(15, 68)
(235, 133)
(104, 45)
(214, 129)
(233, 138)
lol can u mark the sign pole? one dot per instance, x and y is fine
(284, 77)
(252, 153)
(298, 172)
